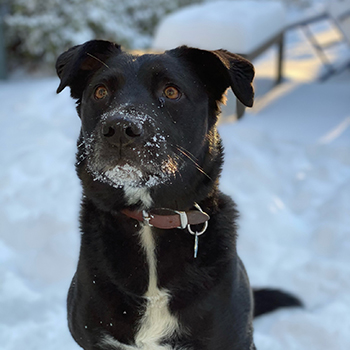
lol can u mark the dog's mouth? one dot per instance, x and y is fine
(128, 174)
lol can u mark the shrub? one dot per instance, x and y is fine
(38, 30)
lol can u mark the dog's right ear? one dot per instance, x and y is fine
(75, 66)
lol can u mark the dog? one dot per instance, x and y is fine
(158, 266)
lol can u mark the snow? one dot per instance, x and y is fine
(287, 166)
(236, 26)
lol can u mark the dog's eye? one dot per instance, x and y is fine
(172, 93)
(101, 92)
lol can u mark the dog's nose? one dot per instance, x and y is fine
(121, 131)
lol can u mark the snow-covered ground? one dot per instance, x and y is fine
(287, 166)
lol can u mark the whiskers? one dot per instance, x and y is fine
(155, 169)
(185, 153)
(97, 59)
(84, 149)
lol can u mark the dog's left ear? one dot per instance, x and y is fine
(75, 66)
(220, 70)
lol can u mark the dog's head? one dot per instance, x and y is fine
(148, 135)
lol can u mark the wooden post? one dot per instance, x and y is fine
(280, 59)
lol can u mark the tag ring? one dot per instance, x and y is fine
(204, 227)
(200, 232)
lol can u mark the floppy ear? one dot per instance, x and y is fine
(75, 66)
(219, 70)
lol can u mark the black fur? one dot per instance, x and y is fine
(174, 155)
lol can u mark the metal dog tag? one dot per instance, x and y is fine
(196, 237)
(196, 245)
(197, 233)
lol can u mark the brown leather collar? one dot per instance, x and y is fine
(167, 218)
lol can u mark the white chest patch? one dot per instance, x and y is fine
(135, 194)
(157, 323)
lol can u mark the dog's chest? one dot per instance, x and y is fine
(157, 324)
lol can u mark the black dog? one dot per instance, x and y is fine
(158, 267)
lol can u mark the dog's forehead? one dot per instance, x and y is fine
(150, 65)
(157, 62)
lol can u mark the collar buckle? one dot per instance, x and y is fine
(183, 219)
